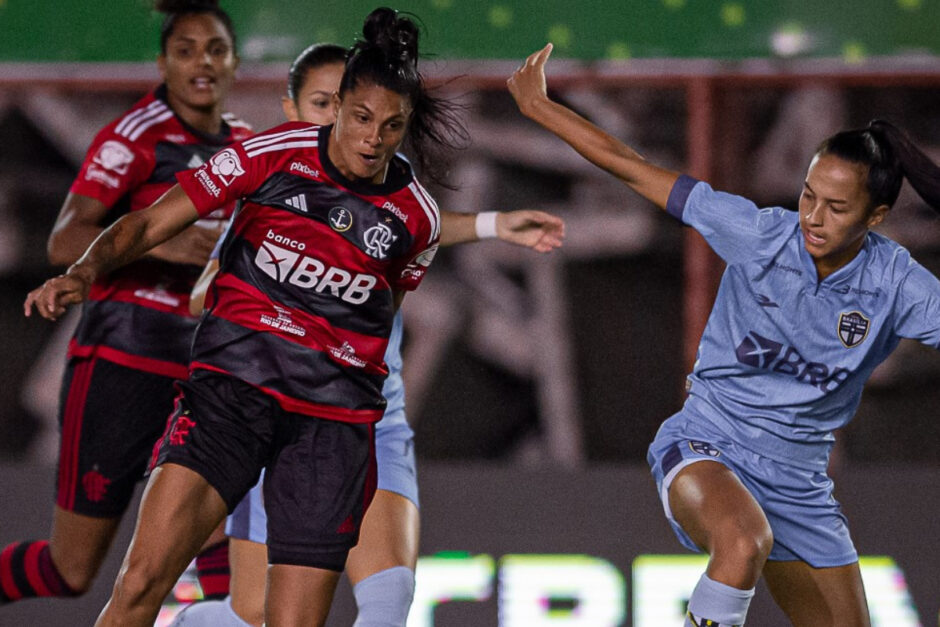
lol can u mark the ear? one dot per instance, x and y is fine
(236, 62)
(878, 215)
(290, 109)
(335, 99)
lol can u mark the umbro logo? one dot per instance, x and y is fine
(195, 162)
(764, 301)
(297, 202)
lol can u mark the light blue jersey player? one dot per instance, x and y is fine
(810, 303)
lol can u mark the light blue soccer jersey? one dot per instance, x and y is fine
(784, 357)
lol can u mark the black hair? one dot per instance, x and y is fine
(891, 157)
(175, 9)
(387, 56)
(313, 57)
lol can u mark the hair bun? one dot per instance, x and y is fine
(184, 6)
(396, 36)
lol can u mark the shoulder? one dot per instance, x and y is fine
(284, 137)
(139, 121)
(423, 205)
(893, 266)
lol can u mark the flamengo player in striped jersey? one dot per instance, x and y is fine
(381, 568)
(287, 370)
(810, 303)
(134, 334)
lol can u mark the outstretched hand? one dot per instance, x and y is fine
(54, 296)
(540, 231)
(527, 84)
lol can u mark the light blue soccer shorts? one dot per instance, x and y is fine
(805, 518)
(395, 459)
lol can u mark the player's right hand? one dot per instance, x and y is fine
(54, 296)
(527, 84)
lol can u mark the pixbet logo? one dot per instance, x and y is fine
(284, 265)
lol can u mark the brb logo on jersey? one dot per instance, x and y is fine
(114, 156)
(378, 239)
(758, 351)
(226, 166)
(853, 328)
(288, 265)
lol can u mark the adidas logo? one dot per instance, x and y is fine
(195, 162)
(297, 202)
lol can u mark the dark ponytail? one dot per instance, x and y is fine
(175, 9)
(919, 170)
(387, 56)
(890, 156)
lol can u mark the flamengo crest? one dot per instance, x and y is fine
(853, 328)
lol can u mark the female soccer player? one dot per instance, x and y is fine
(287, 369)
(381, 567)
(133, 338)
(810, 303)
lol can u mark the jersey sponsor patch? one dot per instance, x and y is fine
(346, 354)
(226, 165)
(94, 173)
(703, 448)
(283, 322)
(114, 156)
(285, 265)
(340, 219)
(853, 328)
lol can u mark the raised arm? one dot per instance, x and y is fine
(122, 242)
(527, 86)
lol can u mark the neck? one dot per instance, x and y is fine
(828, 265)
(207, 120)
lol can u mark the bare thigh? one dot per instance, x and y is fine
(299, 596)
(178, 512)
(722, 517)
(818, 597)
(249, 563)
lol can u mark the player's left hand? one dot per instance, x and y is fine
(540, 231)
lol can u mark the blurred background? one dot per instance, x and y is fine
(534, 383)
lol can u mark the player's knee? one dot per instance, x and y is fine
(750, 546)
(141, 582)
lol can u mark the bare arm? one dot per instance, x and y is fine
(122, 242)
(527, 86)
(77, 226)
(537, 230)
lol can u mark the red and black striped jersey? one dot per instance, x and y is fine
(303, 303)
(138, 316)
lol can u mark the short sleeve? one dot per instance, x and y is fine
(734, 227)
(227, 176)
(408, 277)
(917, 311)
(113, 167)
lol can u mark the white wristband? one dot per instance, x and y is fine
(486, 224)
